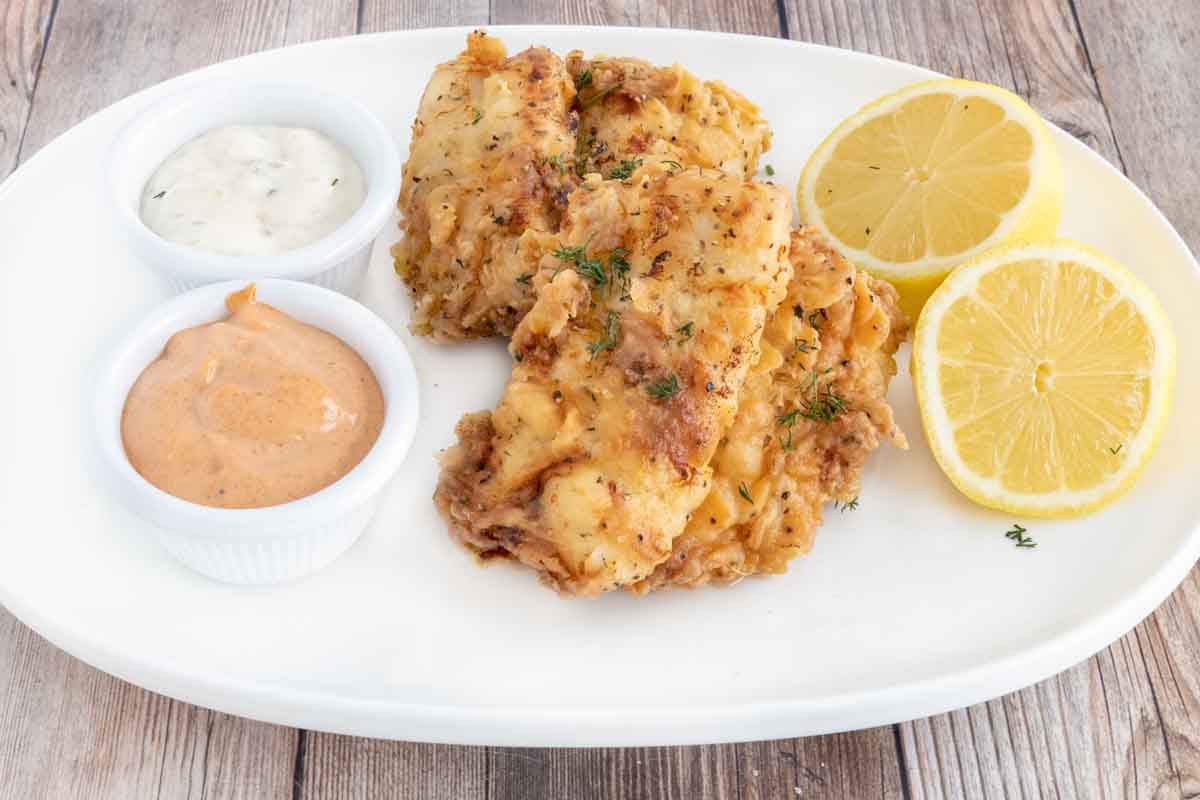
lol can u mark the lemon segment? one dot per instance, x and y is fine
(918, 181)
(1044, 374)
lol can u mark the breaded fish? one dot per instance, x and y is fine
(811, 412)
(651, 305)
(485, 172)
(632, 110)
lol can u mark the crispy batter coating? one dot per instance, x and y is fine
(650, 309)
(811, 412)
(631, 109)
(482, 178)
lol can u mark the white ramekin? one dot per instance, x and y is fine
(277, 543)
(337, 261)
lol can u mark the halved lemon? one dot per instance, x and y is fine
(917, 182)
(1044, 374)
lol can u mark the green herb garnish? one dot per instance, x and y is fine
(684, 331)
(846, 505)
(589, 268)
(624, 170)
(664, 389)
(612, 330)
(1018, 537)
(770, 170)
(478, 116)
(525, 279)
(598, 96)
(558, 163)
(744, 491)
(1115, 450)
(583, 79)
(674, 164)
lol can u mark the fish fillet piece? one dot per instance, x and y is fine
(651, 305)
(811, 412)
(485, 173)
(630, 109)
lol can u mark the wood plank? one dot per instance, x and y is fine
(1146, 62)
(67, 730)
(735, 16)
(642, 773)
(351, 767)
(132, 44)
(394, 15)
(1029, 46)
(23, 32)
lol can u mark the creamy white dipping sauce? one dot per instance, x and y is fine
(253, 190)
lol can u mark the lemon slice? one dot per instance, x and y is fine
(917, 182)
(1044, 374)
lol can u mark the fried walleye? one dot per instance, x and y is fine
(650, 307)
(812, 410)
(632, 112)
(485, 174)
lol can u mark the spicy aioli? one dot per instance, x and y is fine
(255, 410)
(253, 190)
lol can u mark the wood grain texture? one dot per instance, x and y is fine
(1146, 63)
(394, 15)
(67, 730)
(23, 27)
(735, 16)
(1123, 724)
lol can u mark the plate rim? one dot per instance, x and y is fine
(619, 725)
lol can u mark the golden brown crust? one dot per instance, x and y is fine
(631, 109)
(811, 413)
(480, 182)
(650, 308)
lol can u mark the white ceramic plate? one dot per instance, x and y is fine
(913, 604)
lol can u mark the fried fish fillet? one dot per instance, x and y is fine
(631, 109)
(811, 412)
(651, 305)
(480, 181)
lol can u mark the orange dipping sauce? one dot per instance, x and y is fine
(255, 410)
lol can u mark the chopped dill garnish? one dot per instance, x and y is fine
(589, 268)
(478, 116)
(664, 389)
(1115, 450)
(788, 421)
(624, 170)
(583, 79)
(814, 319)
(558, 163)
(612, 329)
(804, 346)
(744, 491)
(525, 279)
(846, 505)
(618, 265)
(770, 170)
(1018, 537)
(685, 332)
(674, 164)
(598, 96)
(821, 404)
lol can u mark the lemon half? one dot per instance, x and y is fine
(1044, 374)
(921, 180)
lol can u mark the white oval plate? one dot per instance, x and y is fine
(913, 604)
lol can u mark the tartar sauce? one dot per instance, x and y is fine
(254, 410)
(253, 190)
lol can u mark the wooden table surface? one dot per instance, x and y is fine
(1126, 723)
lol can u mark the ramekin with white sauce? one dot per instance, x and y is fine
(272, 543)
(256, 211)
